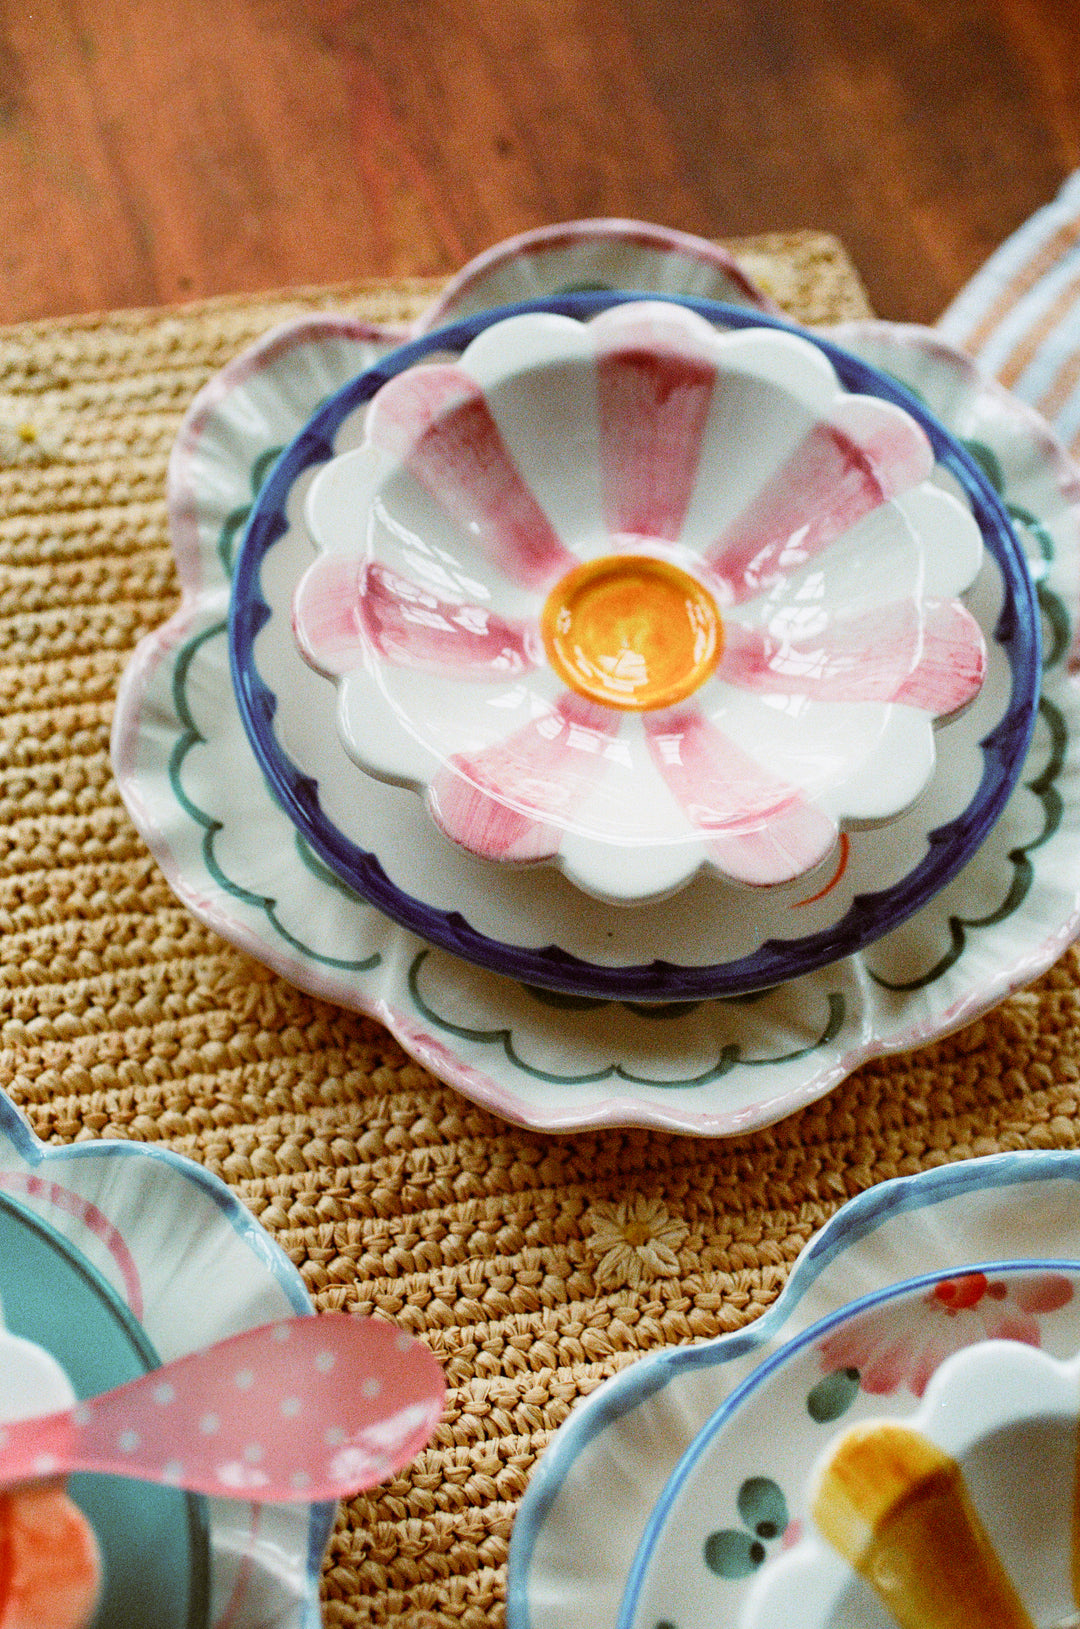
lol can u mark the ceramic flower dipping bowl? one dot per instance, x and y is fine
(963, 1514)
(930, 1429)
(715, 936)
(642, 599)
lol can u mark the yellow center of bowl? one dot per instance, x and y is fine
(632, 632)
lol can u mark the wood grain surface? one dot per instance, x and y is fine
(155, 150)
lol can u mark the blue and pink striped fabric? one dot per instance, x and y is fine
(1019, 316)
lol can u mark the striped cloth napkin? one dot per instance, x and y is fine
(1019, 316)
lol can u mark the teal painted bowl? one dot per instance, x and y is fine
(116, 1258)
(154, 1541)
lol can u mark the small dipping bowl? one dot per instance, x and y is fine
(965, 1513)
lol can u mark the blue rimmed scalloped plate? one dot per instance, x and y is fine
(195, 790)
(612, 1474)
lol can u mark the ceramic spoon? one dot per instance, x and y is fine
(307, 1408)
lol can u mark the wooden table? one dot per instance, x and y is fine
(158, 150)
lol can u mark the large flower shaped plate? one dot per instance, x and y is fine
(612, 1473)
(191, 781)
(118, 1257)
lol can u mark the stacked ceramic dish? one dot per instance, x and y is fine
(243, 750)
(600, 649)
(664, 597)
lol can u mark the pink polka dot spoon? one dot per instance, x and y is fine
(302, 1409)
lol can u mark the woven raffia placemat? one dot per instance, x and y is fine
(122, 1016)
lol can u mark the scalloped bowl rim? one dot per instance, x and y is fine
(541, 240)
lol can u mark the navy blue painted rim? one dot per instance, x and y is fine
(551, 967)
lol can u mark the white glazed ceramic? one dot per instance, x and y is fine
(191, 781)
(178, 1263)
(566, 575)
(593, 254)
(1006, 1415)
(731, 1539)
(713, 938)
(57, 1578)
(605, 1474)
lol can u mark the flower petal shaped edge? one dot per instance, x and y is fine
(644, 434)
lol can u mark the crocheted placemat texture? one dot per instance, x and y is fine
(534, 1266)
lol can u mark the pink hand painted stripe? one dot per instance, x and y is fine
(437, 421)
(952, 664)
(838, 473)
(512, 801)
(337, 615)
(326, 615)
(92, 1218)
(760, 829)
(653, 395)
(879, 655)
(409, 625)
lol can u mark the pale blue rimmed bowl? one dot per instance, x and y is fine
(116, 1257)
(735, 1504)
